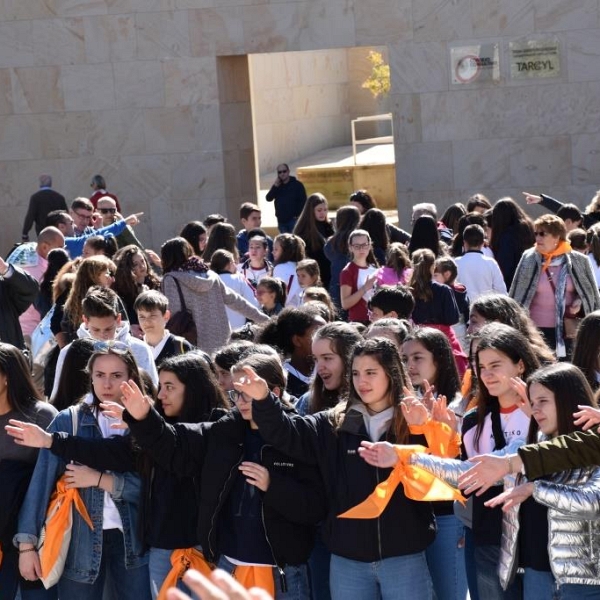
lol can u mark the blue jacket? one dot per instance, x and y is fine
(74, 245)
(85, 550)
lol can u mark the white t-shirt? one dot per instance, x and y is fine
(237, 283)
(287, 273)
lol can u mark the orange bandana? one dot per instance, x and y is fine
(418, 484)
(182, 560)
(442, 440)
(59, 511)
(254, 576)
(562, 248)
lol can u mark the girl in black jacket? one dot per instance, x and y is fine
(258, 506)
(371, 558)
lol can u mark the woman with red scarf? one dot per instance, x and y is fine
(555, 284)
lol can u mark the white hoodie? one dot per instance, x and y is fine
(140, 350)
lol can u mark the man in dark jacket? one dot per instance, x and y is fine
(41, 203)
(289, 195)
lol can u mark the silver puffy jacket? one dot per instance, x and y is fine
(573, 501)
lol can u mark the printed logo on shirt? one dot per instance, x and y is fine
(284, 464)
(351, 451)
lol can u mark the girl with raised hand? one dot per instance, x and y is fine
(266, 536)
(358, 277)
(188, 392)
(428, 358)
(498, 424)
(369, 556)
(110, 556)
(554, 521)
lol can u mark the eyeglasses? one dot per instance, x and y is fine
(114, 345)
(235, 396)
(361, 246)
(106, 211)
(282, 172)
(82, 216)
(541, 234)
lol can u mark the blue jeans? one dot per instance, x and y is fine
(318, 570)
(296, 578)
(121, 583)
(470, 564)
(395, 578)
(159, 566)
(538, 585)
(487, 559)
(573, 591)
(446, 559)
(287, 226)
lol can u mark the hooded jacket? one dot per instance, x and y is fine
(206, 296)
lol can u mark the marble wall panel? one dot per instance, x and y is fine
(278, 70)
(454, 115)
(425, 167)
(76, 173)
(275, 106)
(319, 68)
(162, 35)
(382, 22)
(557, 15)
(58, 41)
(216, 31)
(197, 175)
(88, 87)
(169, 130)
(207, 127)
(16, 44)
(20, 137)
(36, 89)
(190, 81)
(118, 132)
(274, 27)
(236, 126)
(315, 19)
(481, 163)
(570, 108)
(418, 67)
(502, 17)
(78, 8)
(233, 78)
(541, 161)
(585, 149)
(139, 84)
(509, 112)
(583, 55)
(65, 135)
(316, 101)
(110, 38)
(440, 20)
(32, 9)
(6, 94)
(407, 118)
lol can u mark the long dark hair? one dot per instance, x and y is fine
(452, 215)
(74, 381)
(125, 284)
(447, 381)
(342, 337)
(587, 347)
(570, 389)
(384, 351)
(222, 235)
(21, 391)
(192, 232)
(506, 214)
(313, 232)
(513, 344)
(202, 392)
(175, 253)
(347, 219)
(375, 223)
(420, 279)
(425, 234)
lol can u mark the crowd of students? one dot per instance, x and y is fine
(245, 403)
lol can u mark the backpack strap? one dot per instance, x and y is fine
(181, 300)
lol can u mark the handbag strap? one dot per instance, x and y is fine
(550, 281)
(74, 419)
(181, 300)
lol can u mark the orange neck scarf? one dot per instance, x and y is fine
(254, 576)
(418, 484)
(58, 520)
(562, 248)
(182, 560)
(442, 440)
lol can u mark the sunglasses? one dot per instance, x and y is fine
(541, 234)
(114, 345)
(106, 211)
(281, 172)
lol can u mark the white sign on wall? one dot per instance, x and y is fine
(534, 58)
(478, 63)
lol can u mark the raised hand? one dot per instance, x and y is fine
(137, 405)
(441, 412)
(28, 434)
(520, 387)
(414, 410)
(532, 198)
(378, 454)
(586, 417)
(248, 382)
(512, 497)
(133, 219)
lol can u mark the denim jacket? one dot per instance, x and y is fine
(85, 550)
